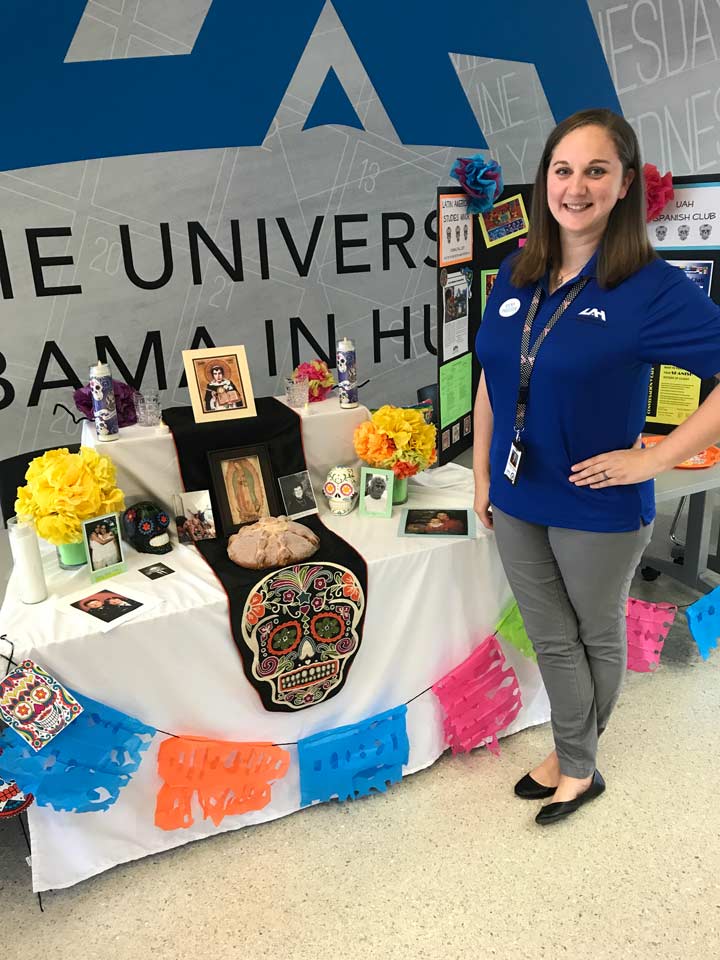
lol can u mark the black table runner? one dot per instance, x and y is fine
(315, 668)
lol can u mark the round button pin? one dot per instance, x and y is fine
(509, 307)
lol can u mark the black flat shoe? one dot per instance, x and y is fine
(552, 812)
(529, 789)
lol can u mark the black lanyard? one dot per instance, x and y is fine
(528, 354)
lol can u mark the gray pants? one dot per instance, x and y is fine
(572, 587)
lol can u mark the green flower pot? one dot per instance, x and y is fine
(71, 555)
(400, 490)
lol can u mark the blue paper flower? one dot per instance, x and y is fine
(481, 180)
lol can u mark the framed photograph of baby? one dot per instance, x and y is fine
(219, 383)
(244, 485)
(103, 545)
(298, 495)
(376, 492)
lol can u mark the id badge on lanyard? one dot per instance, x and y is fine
(514, 461)
(517, 454)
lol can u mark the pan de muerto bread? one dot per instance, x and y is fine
(271, 542)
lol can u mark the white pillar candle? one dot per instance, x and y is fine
(27, 561)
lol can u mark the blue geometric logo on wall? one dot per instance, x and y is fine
(332, 106)
(227, 91)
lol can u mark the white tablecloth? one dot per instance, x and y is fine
(147, 466)
(176, 668)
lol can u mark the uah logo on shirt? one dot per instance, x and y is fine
(595, 313)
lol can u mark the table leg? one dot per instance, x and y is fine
(697, 546)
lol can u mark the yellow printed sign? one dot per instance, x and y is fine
(674, 394)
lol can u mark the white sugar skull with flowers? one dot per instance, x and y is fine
(341, 488)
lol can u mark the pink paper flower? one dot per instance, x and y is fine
(319, 378)
(658, 191)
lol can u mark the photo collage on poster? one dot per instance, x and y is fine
(687, 235)
(467, 265)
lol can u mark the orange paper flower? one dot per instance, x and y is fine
(396, 439)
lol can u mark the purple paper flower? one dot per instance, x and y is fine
(123, 403)
(481, 180)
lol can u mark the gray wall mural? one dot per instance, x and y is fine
(318, 228)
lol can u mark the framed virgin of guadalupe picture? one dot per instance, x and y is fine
(244, 485)
(219, 383)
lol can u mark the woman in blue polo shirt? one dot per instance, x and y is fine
(574, 322)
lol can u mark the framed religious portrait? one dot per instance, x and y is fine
(244, 485)
(219, 383)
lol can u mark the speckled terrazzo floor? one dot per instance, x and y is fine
(448, 864)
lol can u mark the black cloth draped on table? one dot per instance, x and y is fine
(279, 429)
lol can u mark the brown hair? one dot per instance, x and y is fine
(625, 247)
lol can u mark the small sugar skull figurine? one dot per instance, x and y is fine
(683, 231)
(342, 487)
(705, 231)
(145, 526)
(661, 232)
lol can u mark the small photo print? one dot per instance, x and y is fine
(298, 495)
(506, 220)
(194, 516)
(487, 282)
(459, 524)
(376, 491)
(103, 546)
(445, 439)
(467, 425)
(156, 570)
(456, 433)
(107, 606)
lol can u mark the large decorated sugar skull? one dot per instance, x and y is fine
(35, 705)
(341, 488)
(145, 526)
(301, 630)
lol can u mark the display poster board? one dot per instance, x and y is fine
(470, 251)
(686, 234)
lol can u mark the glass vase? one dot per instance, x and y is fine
(400, 490)
(71, 555)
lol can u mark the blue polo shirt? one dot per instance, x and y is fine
(589, 386)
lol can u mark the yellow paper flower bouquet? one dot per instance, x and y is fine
(63, 489)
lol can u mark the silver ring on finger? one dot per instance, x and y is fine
(605, 475)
